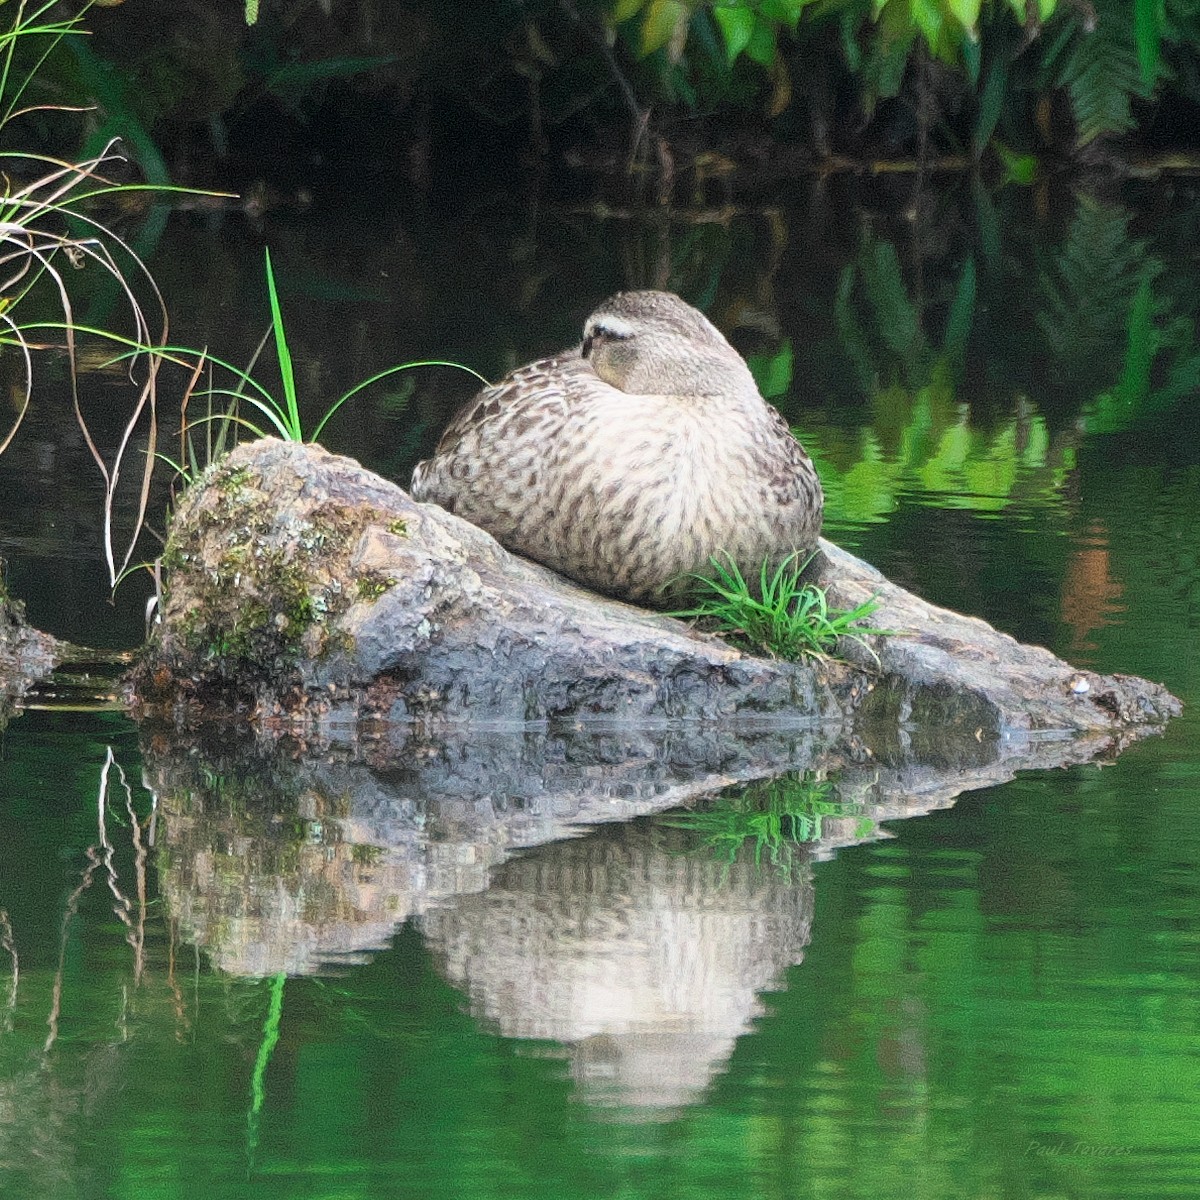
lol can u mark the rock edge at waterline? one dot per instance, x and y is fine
(302, 588)
(26, 654)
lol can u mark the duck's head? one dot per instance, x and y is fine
(654, 343)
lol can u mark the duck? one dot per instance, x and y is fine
(631, 461)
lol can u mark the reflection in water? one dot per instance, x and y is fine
(963, 983)
(778, 820)
(638, 947)
(47, 1011)
(1089, 591)
(100, 861)
(287, 865)
(924, 446)
(643, 958)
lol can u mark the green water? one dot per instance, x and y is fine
(341, 976)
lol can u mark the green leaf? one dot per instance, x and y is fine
(887, 55)
(972, 56)
(869, 487)
(927, 17)
(1037, 443)
(701, 35)
(1148, 35)
(624, 9)
(895, 314)
(962, 312)
(1141, 345)
(991, 103)
(737, 24)
(285, 357)
(966, 12)
(987, 221)
(661, 24)
(855, 343)
(683, 88)
(851, 50)
(1101, 75)
(782, 12)
(763, 45)
(1018, 168)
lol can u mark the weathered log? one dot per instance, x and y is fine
(26, 654)
(303, 589)
(278, 858)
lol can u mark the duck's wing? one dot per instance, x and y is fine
(531, 392)
(793, 479)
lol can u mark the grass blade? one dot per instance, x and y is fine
(292, 420)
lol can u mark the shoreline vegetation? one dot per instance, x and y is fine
(687, 101)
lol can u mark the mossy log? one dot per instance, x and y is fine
(304, 591)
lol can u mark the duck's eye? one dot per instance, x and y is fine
(599, 334)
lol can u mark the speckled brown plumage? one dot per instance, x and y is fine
(626, 463)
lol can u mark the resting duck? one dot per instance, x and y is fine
(629, 461)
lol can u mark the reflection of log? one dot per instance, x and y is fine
(300, 584)
(645, 957)
(634, 944)
(280, 864)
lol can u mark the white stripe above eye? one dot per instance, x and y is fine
(608, 326)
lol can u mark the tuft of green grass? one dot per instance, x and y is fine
(783, 617)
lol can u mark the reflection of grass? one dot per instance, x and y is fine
(258, 1090)
(776, 818)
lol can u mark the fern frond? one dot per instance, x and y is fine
(1102, 73)
(1087, 291)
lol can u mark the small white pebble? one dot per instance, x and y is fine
(1079, 685)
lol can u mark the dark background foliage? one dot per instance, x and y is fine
(636, 99)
